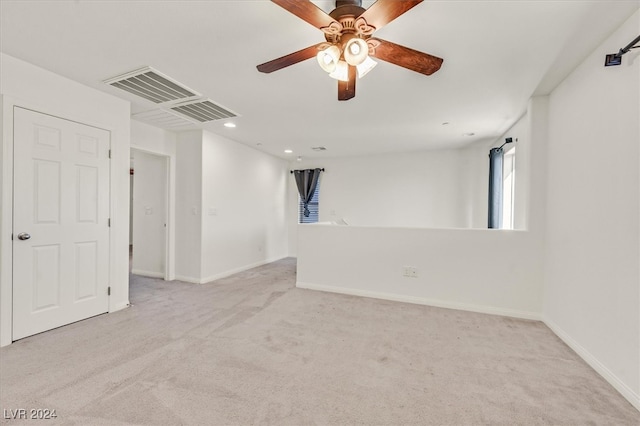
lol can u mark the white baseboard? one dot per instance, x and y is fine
(120, 307)
(187, 279)
(600, 368)
(240, 269)
(424, 301)
(227, 273)
(150, 274)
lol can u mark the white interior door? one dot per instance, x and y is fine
(60, 222)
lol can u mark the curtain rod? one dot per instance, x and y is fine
(506, 141)
(291, 171)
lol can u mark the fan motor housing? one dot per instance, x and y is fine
(347, 9)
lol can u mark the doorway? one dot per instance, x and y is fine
(149, 213)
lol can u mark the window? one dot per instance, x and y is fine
(508, 188)
(313, 207)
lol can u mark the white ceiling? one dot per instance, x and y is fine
(496, 55)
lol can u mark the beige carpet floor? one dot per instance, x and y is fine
(253, 349)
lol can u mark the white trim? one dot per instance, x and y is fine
(186, 279)
(6, 223)
(423, 301)
(237, 270)
(227, 273)
(120, 307)
(148, 273)
(594, 363)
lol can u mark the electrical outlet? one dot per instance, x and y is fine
(413, 271)
(410, 271)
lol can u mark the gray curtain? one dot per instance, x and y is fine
(496, 157)
(306, 180)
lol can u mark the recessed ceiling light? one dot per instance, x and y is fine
(445, 123)
(288, 151)
(229, 124)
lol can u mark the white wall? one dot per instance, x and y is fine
(25, 85)
(188, 206)
(243, 207)
(230, 208)
(493, 271)
(150, 214)
(488, 271)
(419, 189)
(152, 139)
(427, 189)
(592, 276)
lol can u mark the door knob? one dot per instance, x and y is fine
(23, 236)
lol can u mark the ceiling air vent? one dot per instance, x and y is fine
(151, 85)
(318, 148)
(163, 119)
(203, 111)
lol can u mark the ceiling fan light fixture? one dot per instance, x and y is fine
(366, 66)
(356, 51)
(328, 58)
(341, 72)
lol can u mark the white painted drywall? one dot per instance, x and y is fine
(152, 139)
(592, 276)
(419, 189)
(150, 214)
(479, 270)
(230, 210)
(493, 271)
(157, 141)
(243, 207)
(428, 189)
(188, 206)
(25, 85)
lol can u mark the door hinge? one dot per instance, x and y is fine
(109, 222)
(11, 237)
(109, 153)
(108, 291)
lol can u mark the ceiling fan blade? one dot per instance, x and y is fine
(404, 56)
(290, 59)
(384, 11)
(306, 11)
(347, 89)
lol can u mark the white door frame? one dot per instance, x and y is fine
(169, 252)
(6, 210)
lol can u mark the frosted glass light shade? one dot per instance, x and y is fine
(356, 51)
(328, 58)
(366, 66)
(341, 72)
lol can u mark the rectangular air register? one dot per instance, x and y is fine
(203, 111)
(163, 119)
(152, 86)
(175, 101)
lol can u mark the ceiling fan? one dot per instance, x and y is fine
(349, 44)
